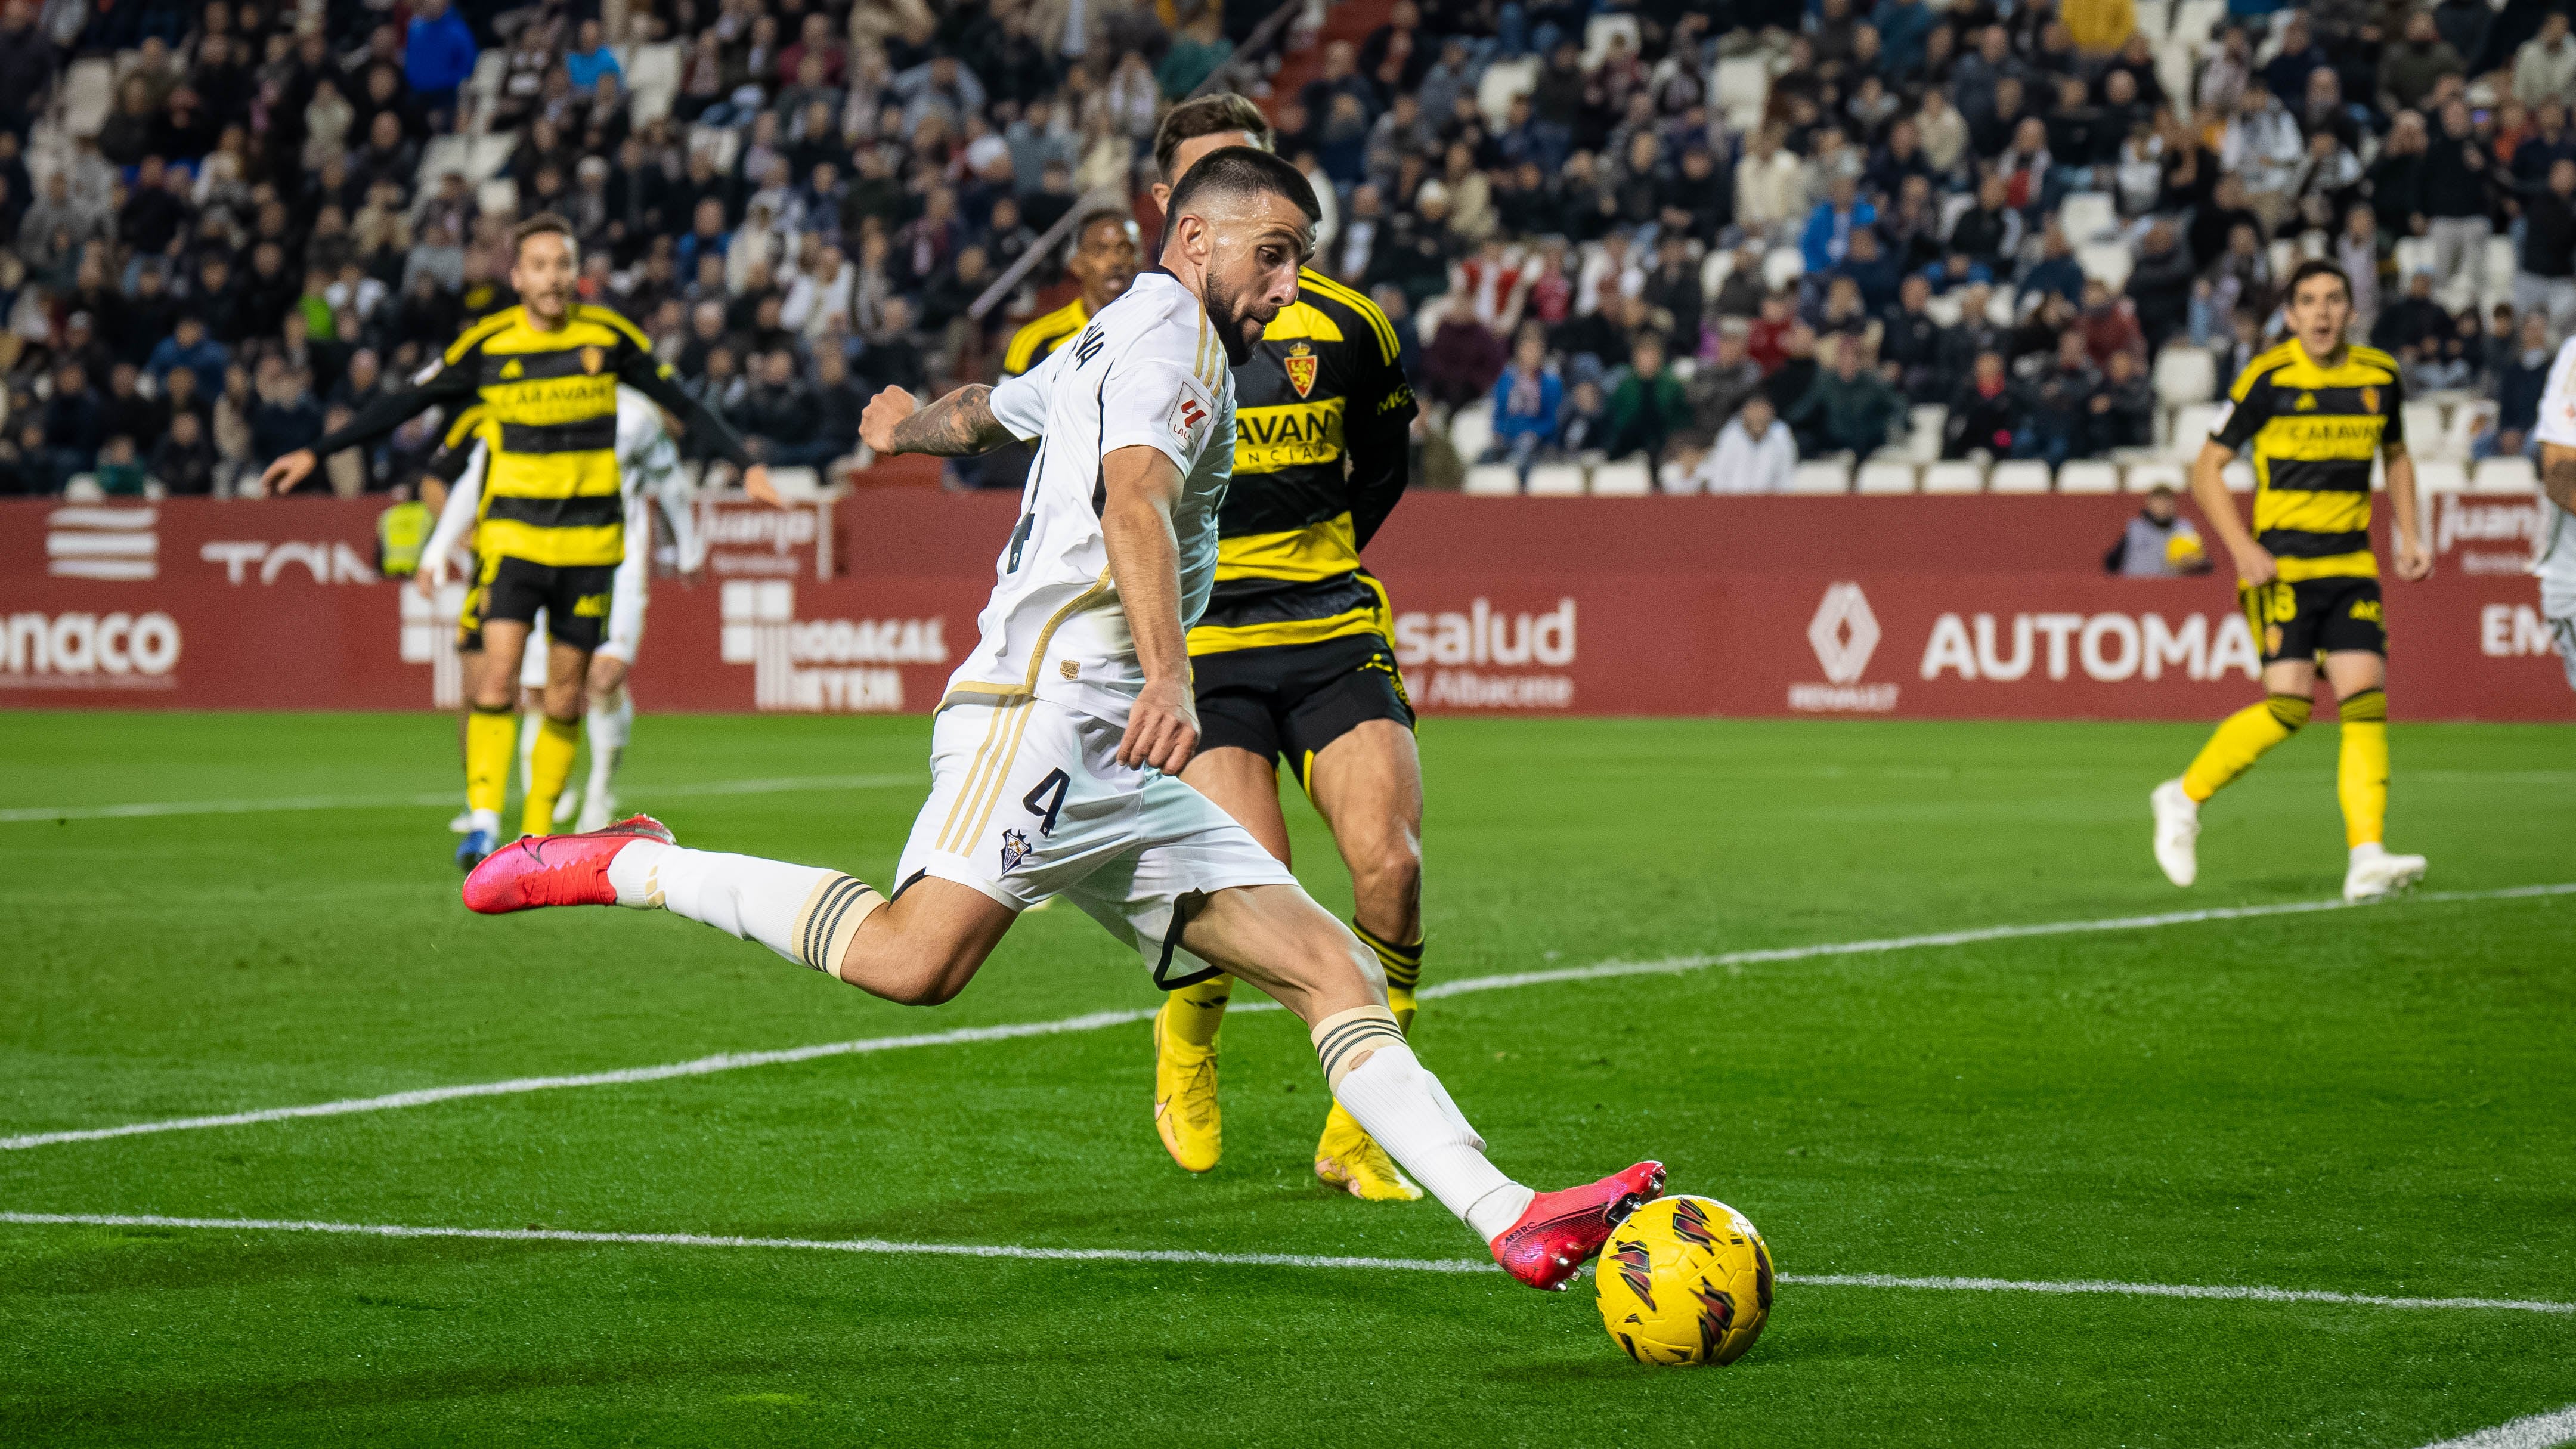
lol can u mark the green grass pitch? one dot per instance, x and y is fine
(2371, 1101)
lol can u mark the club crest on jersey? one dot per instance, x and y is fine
(1191, 416)
(1301, 363)
(1015, 848)
(2370, 399)
(593, 359)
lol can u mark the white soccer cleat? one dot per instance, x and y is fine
(2375, 875)
(463, 824)
(2177, 832)
(596, 812)
(565, 805)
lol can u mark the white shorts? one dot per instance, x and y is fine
(532, 662)
(2560, 615)
(625, 631)
(1028, 800)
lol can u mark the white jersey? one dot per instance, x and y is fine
(2553, 554)
(1151, 371)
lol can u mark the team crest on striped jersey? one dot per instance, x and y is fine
(593, 359)
(1301, 364)
(2370, 399)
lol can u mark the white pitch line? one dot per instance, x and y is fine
(2535, 1431)
(26, 814)
(1093, 1021)
(2220, 1291)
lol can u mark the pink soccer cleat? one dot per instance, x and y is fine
(1561, 1231)
(556, 870)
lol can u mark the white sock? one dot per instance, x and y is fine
(610, 728)
(488, 820)
(802, 912)
(1409, 1113)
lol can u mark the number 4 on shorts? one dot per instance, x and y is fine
(1047, 800)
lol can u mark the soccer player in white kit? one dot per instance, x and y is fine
(2553, 554)
(649, 472)
(1057, 751)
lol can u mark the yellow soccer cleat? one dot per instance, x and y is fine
(1350, 1159)
(1185, 1110)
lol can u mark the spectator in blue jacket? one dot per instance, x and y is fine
(590, 60)
(1526, 400)
(2056, 270)
(438, 55)
(1904, 30)
(188, 346)
(1830, 225)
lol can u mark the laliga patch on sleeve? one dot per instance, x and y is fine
(1192, 413)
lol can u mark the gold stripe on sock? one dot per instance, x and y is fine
(830, 919)
(1403, 964)
(1344, 1038)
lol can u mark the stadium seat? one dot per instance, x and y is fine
(2186, 374)
(1556, 480)
(2460, 434)
(442, 155)
(2003, 306)
(2085, 215)
(1493, 480)
(1960, 476)
(2505, 475)
(1598, 33)
(2088, 475)
(1885, 475)
(2191, 427)
(1503, 80)
(1471, 430)
(2422, 419)
(1783, 266)
(2499, 271)
(498, 197)
(2413, 254)
(654, 79)
(797, 485)
(88, 94)
(2021, 475)
(1626, 478)
(1822, 475)
(2161, 473)
(486, 155)
(1953, 206)
(2284, 256)
(2175, 63)
(2440, 475)
(2194, 19)
(2105, 262)
(1742, 86)
(1714, 271)
(1943, 309)
(2155, 18)
(490, 68)
(1923, 436)
(2239, 476)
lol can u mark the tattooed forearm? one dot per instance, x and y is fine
(2558, 478)
(956, 426)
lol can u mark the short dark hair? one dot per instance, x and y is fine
(1115, 215)
(1242, 171)
(539, 225)
(1207, 116)
(2316, 267)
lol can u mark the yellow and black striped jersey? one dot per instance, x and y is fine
(1043, 335)
(2315, 428)
(544, 403)
(1321, 422)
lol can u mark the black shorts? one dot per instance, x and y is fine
(1291, 700)
(575, 597)
(2314, 616)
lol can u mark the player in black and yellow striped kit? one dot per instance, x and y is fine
(1294, 658)
(552, 532)
(1102, 263)
(2316, 411)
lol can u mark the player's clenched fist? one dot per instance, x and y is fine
(889, 407)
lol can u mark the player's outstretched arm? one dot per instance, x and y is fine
(373, 421)
(959, 425)
(1139, 486)
(2254, 563)
(651, 376)
(2414, 561)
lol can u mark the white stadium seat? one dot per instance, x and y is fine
(2186, 374)
(2422, 419)
(1960, 476)
(2155, 17)
(1556, 480)
(1943, 309)
(2001, 305)
(797, 484)
(2468, 419)
(2192, 19)
(2500, 266)
(2505, 475)
(1493, 480)
(1742, 86)
(1598, 32)
(1471, 430)
(2191, 428)
(2105, 262)
(2143, 477)
(1925, 424)
(2085, 215)
(2022, 475)
(2440, 475)
(1885, 475)
(1783, 266)
(1503, 80)
(1626, 478)
(1714, 271)
(2088, 475)
(1822, 475)
(88, 94)
(2239, 476)
(653, 77)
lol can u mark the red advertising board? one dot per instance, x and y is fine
(1979, 607)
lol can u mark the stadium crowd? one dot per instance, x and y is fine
(2002, 209)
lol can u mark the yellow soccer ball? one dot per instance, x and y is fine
(1685, 1280)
